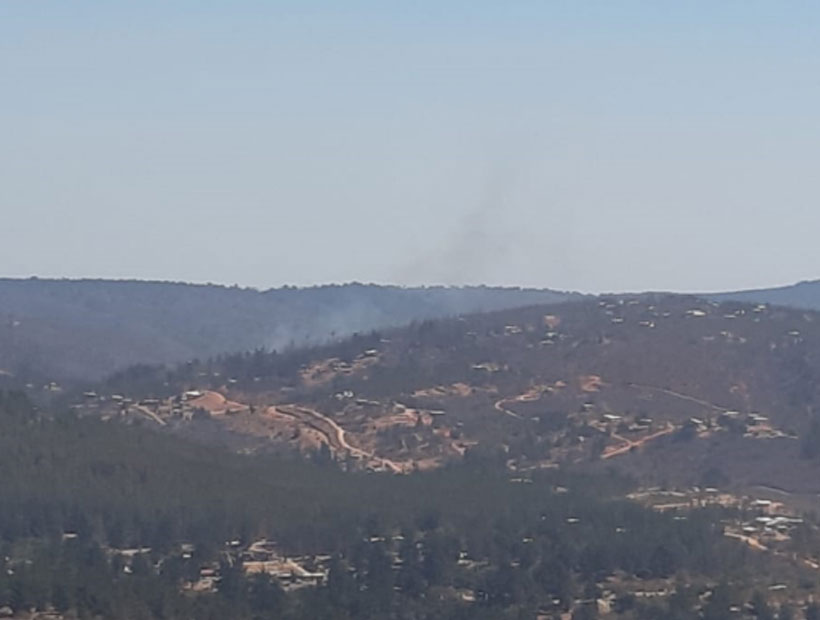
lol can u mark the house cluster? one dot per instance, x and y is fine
(183, 406)
(261, 557)
(772, 523)
(264, 557)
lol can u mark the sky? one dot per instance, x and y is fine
(581, 145)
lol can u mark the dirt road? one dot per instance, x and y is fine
(150, 414)
(629, 444)
(335, 434)
(699, 401)
(752, 542)
(499, 406)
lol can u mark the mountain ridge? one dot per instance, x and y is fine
(84, 329)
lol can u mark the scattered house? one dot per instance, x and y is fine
(486, 366)
(363, 402)
(551, 321)
(286, 570)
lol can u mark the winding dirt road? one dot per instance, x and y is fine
(335, 435)
(499, 406)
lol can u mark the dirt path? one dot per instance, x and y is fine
(775, 490)
(752, 542)
(692, 399)
(759, 546)
(150, 414)
(499, 406)
(629, 444)
(335, 434)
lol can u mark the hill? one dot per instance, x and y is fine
(595, 381)
(804, 295)
(709, 410)
(103, 521)
(81, 329)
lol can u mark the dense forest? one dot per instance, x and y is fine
(79, 492)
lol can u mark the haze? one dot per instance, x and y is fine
(624, 146)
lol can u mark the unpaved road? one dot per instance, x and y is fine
(335, 434)
(150, 414)
(699, 401)
(629, 444)
(752, 542)
(759, 546)
(499, 406)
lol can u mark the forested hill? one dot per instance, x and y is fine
(83, 329)
(105, 521)
(804, 295)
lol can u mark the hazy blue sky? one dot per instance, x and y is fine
(582, 145)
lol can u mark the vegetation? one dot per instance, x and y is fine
(84, 329)
(78, 492)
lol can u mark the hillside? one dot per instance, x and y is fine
(704, 413)
(81, 329)
(582, 382)
(804, 295)
(494, 422)
(104, 520)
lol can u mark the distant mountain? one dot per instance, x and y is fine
(84, 329)
(804, 295)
